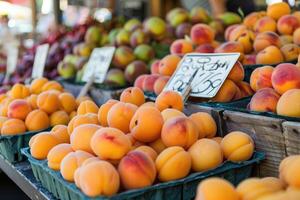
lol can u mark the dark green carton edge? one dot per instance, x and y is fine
(180, 189)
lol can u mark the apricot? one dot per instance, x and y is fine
(237, 72)
(2, 120)
(37, 85)
(32, 100)
(37, 120)
(265, 24)
(87, 106)
(149, 104)
(179, 131)
(157, 145)
(264, 100)
(4, 106)
(216, 188)
(48, 102)
(61, 133)
(181, 47)
(72, 114)
(250, 20)
(287, 24)
(285, 76)
(286, 39)
(19, 91)
(277, 10)
(261, 78)
(133, 95)
(52, 85)
(226, 93)
(67, 102)
(59, 117)
(205, 124)
(137, 170)
(99, 178)
(56, 154)
(288, 102)
(265, 39)
(201, 34)
(19, 109)
(291, 173)
(217, 139)
(169, 99)
(168, 159)
(110, 143)
(290, 52)
(168, 64)
(41, 144)
(147, 150)
(81, 137)
(120, 115)
(103, 111)
(296, 36)
(13, 127)
(237, 146)
(170, 113)
(88, 118)
(274, 183)
(81, 99)
(71, 162)
(146, 124)
(269, 55)
(160, 83)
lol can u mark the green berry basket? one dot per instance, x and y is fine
(180, 189)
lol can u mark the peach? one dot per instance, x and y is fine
(19, 91)
(149, 81)
(265, 39)
(160, 83)
(32, 100)
(286, 39)
(48, 102)
(168, 64)
(61, 133)
(237, 72)
(157, 145)
(269, 55)
(264, 100)
(238, 94)
(88, 118)
(206, 154)
(287, 104)
(37, 120)
(169, 99)
(37, 85)
(237, 146)
(287, 24)
(285, 76)
(67, 102)
(297, 15)
(277, 10)
(59, 117)
(244, 36)
(201, 34)
(133, 95)
(71, 162)
(87, 106)
(139, 82)
(154, 68)
(137, 170)
(216, 188)
(120, 114)
(229, 30)
(205, 48)
(2, 120)
(90, 175)
(41, 144)
(170, 113)
(110, 143)
(179, 131)
(205, 124)
(18, 109)
(227, 92)
(168, 159)
(261, 78)
(81, 137)
(290, 52)
(296, 36)
(231, 47)
(249, 59)
(250, 20)
(147, 150)
(13, 127)
(52, 85)
(181, 47)
(56, 154)
(103, 111)
(265, 24)
(146, 124)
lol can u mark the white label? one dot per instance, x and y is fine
(40, 61)
(98, 64)
(204, 73)
(12, 59)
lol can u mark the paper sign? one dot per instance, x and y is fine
(12, 59)
(98, 64)
(207, 72)
(39, 61)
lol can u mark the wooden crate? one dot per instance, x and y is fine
(292, 137)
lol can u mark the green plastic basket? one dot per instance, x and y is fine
(180, 189)
(10, 146)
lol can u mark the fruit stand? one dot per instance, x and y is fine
(158, 102)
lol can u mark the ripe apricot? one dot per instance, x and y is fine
(87, 106)
(37, 120)
(56, 154)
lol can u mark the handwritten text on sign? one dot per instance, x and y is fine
(209, 71)
(40, 61)
(98, 64)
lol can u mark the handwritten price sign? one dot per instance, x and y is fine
(40, 61)
(203, 73)
(98, 64)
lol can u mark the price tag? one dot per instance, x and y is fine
(12, 59)
(98, 64)
(39, 61)
(204, 74)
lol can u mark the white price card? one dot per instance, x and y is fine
(98, 64)
(12, 59)
(40, 61)
(203, 73)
